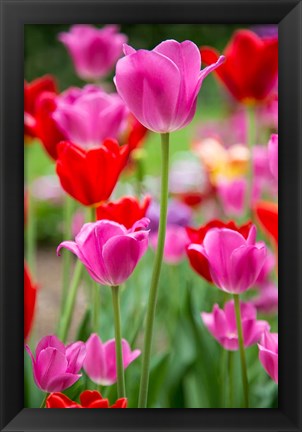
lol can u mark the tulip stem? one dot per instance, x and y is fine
(70, 301)
(44, 400)
(251, 137)
(241, 349)
(118, 342)
(143, 395)
(68, 213)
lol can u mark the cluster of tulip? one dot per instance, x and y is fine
(93, 137)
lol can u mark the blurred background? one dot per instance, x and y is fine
(193, 373)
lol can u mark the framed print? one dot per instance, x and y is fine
(150, 215)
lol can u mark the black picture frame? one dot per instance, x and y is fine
(288, 15)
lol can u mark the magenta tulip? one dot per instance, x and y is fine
(268, 354)
(175, 243)
(87, 117)
(232, 195)
(100, 361)
(56, 366)
(267, 300)
(273, 155)
(221, 323)
(234, 261)
(160, 87)
(94, 51)
(108, 250)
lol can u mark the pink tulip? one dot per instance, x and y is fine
(160, 87)
(100, 361)
(87, 117)
(273, 155)
(267, 300)
(56, 366)
(221, 323)
(268, 354)
(234, 262)
(268, 266)
(94, 51)
(232, 194)
(108, 250)
(175, 243)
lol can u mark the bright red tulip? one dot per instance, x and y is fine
(198, 261)
(46, 127)
(88, 398)
(90, 175)
(250, 70)
(267, 215)
(30, 293)
(125, 211)
(136, 133)
(32, 92)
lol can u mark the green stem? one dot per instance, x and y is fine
(96, 306)
(251, 137)
(143, 395)
(231, 379)
(118, 342)
(44, 400)
(68, 213)
(70, 302)
(242, 353)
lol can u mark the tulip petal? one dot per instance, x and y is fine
(62, 382)
(51, 341)
(95, 362)
(50, 363)
(75, 355)
(155, 77)
(121, 255)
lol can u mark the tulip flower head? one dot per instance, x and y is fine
(267, 299)
(56, 366)
(100, 361)
(221, 323)
(108, 250)
(88, 398)
(250, 70)
(234, 261)
(88, 116)
(267, 215)
(199, 261)
(175, 243)
(232, 195)
(94, 51)
(32, 93)
(160, 87)
(89, 176)
(268, 354)
(125, 211)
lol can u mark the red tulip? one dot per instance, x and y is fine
(30, 293)
(88, 398)
(250, 70)
(198, 261)
(136, 133)
(267, 215)
(32, 92)
(46, 127)
(90, 175)
(125, 211)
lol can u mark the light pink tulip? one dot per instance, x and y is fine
(273, 155)
(221, 323)
(160, 87)
(108, 250)
(100, 361)
(232, 195)
(268, 354)
(175, 243)
(94, 51)
(87, 117)
(234, 262)
(267, 300)
(56, 366)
